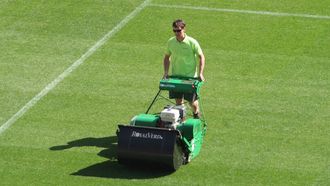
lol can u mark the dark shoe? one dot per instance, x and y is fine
(196, 115)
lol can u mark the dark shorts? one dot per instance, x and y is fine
(191, 97)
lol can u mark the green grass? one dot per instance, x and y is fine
(266, 100)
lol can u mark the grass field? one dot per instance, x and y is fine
(266, 100)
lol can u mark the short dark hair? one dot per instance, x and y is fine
(178, 23)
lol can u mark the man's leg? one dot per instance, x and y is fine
(195, 107)
(177, 96)
(194, 104)
(179, 101)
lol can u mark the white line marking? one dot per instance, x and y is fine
(73, 67)
(243, 11)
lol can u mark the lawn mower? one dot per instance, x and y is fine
(171, 137)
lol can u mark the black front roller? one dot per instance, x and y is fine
(149, 145)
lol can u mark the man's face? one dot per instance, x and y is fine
(178, 31)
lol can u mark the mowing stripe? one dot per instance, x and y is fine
(73, 67)
(243, 11)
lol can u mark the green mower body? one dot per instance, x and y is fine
(169, 137)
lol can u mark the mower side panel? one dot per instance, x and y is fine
(192, 134)
(190, 128)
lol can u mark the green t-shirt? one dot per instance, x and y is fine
(183, 56)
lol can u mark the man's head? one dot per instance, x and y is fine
(178, 28)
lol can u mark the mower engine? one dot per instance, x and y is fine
(172, 116)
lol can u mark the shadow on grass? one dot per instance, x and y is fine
(111, 168)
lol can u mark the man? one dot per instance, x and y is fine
(184, 53)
